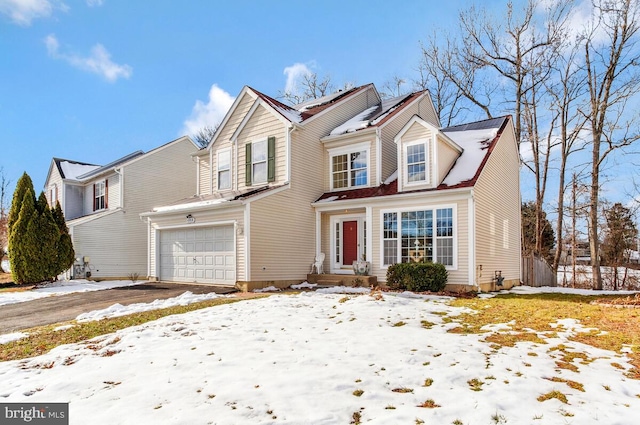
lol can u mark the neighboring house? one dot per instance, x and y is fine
(349, 175)
(102, 204)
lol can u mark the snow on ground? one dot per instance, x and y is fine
(60, 288)
(321, 358)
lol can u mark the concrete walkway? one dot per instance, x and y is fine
(61, 308)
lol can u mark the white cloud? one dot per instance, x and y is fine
(210, 113)
(294, 73)
(92, 3)
(22, 12)
(98, 62)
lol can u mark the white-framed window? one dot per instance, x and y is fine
(416, 156)
(53, 195)
(350, 167)
(260, 161)
(100, 195)
(224, 169)
(419, 235)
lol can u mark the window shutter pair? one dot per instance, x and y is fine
(271, 161)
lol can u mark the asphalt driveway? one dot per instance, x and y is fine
(61, 308)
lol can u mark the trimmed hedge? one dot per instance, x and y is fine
(417, 277)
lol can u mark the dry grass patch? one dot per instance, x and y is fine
(43, 339)
(617, 327)
(571, 384)
(554, 394)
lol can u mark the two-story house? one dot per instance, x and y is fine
(350, 175)
(102, 204)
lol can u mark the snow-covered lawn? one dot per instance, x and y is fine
(323, 358)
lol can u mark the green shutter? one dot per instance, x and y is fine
(271, 159)
(247, 167)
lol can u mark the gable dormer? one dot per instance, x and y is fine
(425, 155)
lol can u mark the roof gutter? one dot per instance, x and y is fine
(457, 193)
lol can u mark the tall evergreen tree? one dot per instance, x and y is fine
(24, 252)
(66, 254)
(47, 235)
(23, 183)
(619, 237)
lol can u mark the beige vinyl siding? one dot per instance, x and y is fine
(259, 127)
(426, 111)
(447, 156)
(204, 175)
(368, 137)
(204, 219)
(497, 196)
(460, 275)
(283, 238)
(207, 176)
(391, 128)
(417, 132)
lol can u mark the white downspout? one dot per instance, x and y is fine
(379, 156)
(288, 153)
(473, 272)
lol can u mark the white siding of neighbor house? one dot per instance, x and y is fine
(202, 219)
(54, 181)
(497, 200)
(73, 201)
(113, 192)
(117, 242)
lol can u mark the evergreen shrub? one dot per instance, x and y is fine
(417, 277)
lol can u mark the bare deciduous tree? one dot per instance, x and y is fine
(4, 212)
(204, 135)
(612, 62)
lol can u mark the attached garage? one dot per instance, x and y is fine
(198, 254)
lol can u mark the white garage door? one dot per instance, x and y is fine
(202, 255)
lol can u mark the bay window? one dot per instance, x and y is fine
(416, 236)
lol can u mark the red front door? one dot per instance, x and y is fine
(350, 242)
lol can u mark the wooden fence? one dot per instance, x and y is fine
(537, 272)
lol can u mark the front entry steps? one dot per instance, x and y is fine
(326, 279)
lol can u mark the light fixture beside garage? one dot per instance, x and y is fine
(190, 219)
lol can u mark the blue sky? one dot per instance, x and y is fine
(94, 80)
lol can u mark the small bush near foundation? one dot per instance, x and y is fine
(417, 277)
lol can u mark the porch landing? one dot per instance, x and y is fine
(326, 279)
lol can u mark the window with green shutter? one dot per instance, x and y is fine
(260, 161)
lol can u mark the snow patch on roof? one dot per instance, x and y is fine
(72, 170)
(356, 123)
(475, 150)
(189, 205)
(290, 114)
(391, 178)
